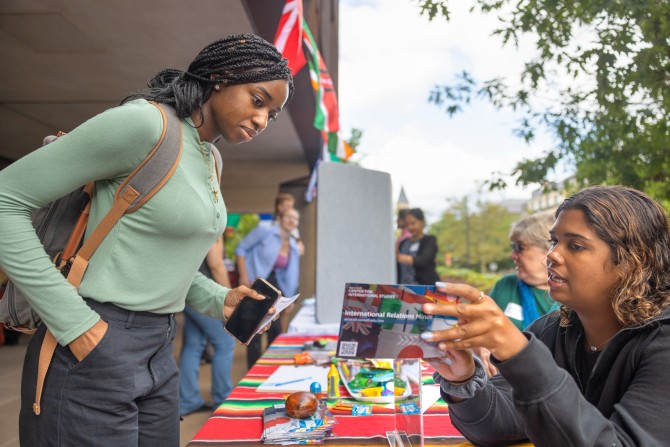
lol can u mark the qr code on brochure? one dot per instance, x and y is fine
(348, 349)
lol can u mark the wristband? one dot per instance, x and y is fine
(462, 382)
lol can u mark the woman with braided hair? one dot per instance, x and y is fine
(113, 379)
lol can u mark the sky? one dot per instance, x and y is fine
(390, 59)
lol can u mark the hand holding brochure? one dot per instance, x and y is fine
(386, 321)
(282, 303)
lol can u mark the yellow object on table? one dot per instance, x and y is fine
(371, 392)
(333, 382)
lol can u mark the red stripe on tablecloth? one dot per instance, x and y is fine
(230, 429)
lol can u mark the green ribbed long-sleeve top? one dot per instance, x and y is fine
(150, 259)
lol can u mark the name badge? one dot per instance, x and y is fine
(514, 311)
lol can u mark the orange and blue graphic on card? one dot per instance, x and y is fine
(409, 408)
(406, 311)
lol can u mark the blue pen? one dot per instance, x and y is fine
(290, 381)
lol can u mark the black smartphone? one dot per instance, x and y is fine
(249, 313)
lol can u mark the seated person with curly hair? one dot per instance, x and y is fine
(591, 375)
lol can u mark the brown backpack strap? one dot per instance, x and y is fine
(80, 261)
(74, 241)
(46, 354)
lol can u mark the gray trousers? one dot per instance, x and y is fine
(124, 393)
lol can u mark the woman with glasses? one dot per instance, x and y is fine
(524, 296)
(271, 252)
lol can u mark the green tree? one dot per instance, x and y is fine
(474, 238)
(610, 116)
(246, 223)
(452, 233)
(355, 138)
(490, 230)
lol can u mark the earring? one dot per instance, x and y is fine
(217, 87)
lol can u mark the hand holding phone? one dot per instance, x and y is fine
(249, 313)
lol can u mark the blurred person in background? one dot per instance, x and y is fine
(416, 254)
(284, 202)
(269, 252)
(199, 331)
(401, 222)
(524, 295)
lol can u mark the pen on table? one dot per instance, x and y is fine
(288, 382)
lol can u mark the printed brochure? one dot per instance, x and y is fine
(385, 321)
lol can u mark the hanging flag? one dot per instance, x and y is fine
(327, 114)
(330, 143)
(336, 148)
(310, 193)
(345, 151)
(288, 39)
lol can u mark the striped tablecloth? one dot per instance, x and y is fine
(238, 420)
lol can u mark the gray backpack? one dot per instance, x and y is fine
(61, 224)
